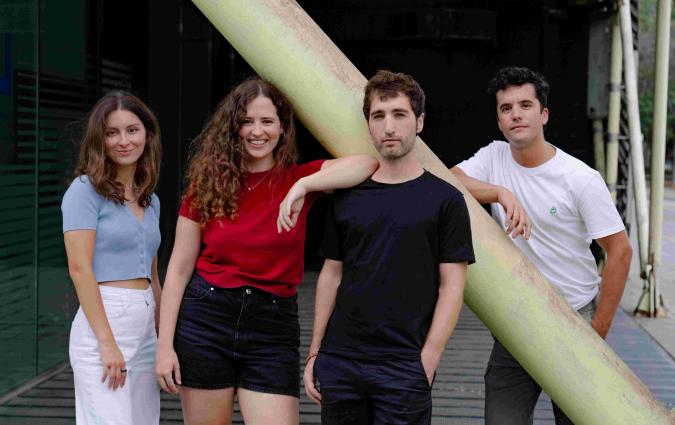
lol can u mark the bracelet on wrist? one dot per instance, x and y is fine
(310, 356)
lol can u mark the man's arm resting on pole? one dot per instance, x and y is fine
(446, 313)
(326, 291)
(619, 254)
(517, 220)
(485, 193)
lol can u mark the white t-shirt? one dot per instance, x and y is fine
(569, 206)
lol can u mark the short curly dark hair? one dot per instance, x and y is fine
(388, 85)
(517, 76)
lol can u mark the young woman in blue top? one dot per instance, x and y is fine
(111, 233)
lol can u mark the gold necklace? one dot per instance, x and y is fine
(259, 181)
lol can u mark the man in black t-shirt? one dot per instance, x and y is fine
(388, 297)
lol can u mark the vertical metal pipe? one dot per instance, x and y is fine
(571, 362)
(614, 113)
(599, 146)
(658, 151)
(637, 157)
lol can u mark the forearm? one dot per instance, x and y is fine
(446, 313)
(181, 266)
(155, 285)
(156, 292)
(611, 288)
(326, 292)
(343, 172)
(485, 193)
(80, 252)
(172, 296)
(91, 302)
(619, 254)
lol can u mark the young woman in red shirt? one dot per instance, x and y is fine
(229, 314)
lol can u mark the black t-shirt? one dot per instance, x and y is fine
(391, 239)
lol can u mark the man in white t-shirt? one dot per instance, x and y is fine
(559, 205)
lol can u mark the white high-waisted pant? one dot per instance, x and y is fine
(131, 313)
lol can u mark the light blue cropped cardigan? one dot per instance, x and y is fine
(125, 246)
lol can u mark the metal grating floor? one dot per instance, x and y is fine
(458, 391)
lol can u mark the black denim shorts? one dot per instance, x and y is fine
(242, 337)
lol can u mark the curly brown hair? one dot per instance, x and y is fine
(101, 171)
(217, 166)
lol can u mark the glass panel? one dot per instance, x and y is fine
(63, 104)
(37, 143)
(18, 129)
(56, 297)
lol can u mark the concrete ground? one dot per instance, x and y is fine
(661, 330)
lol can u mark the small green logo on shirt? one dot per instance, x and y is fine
(553, 211)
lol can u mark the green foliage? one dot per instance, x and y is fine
(647, 39)
(646, 101)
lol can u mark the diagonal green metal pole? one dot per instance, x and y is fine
(575, 367)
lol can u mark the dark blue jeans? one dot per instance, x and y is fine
(242, 337)
(387, 391)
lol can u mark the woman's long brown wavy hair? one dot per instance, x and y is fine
(217, 167)
(100, 169)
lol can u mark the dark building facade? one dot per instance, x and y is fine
(59, 57)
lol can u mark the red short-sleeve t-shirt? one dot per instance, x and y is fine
(248, 250)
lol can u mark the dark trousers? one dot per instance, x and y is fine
(365, 392)
(511, 393)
